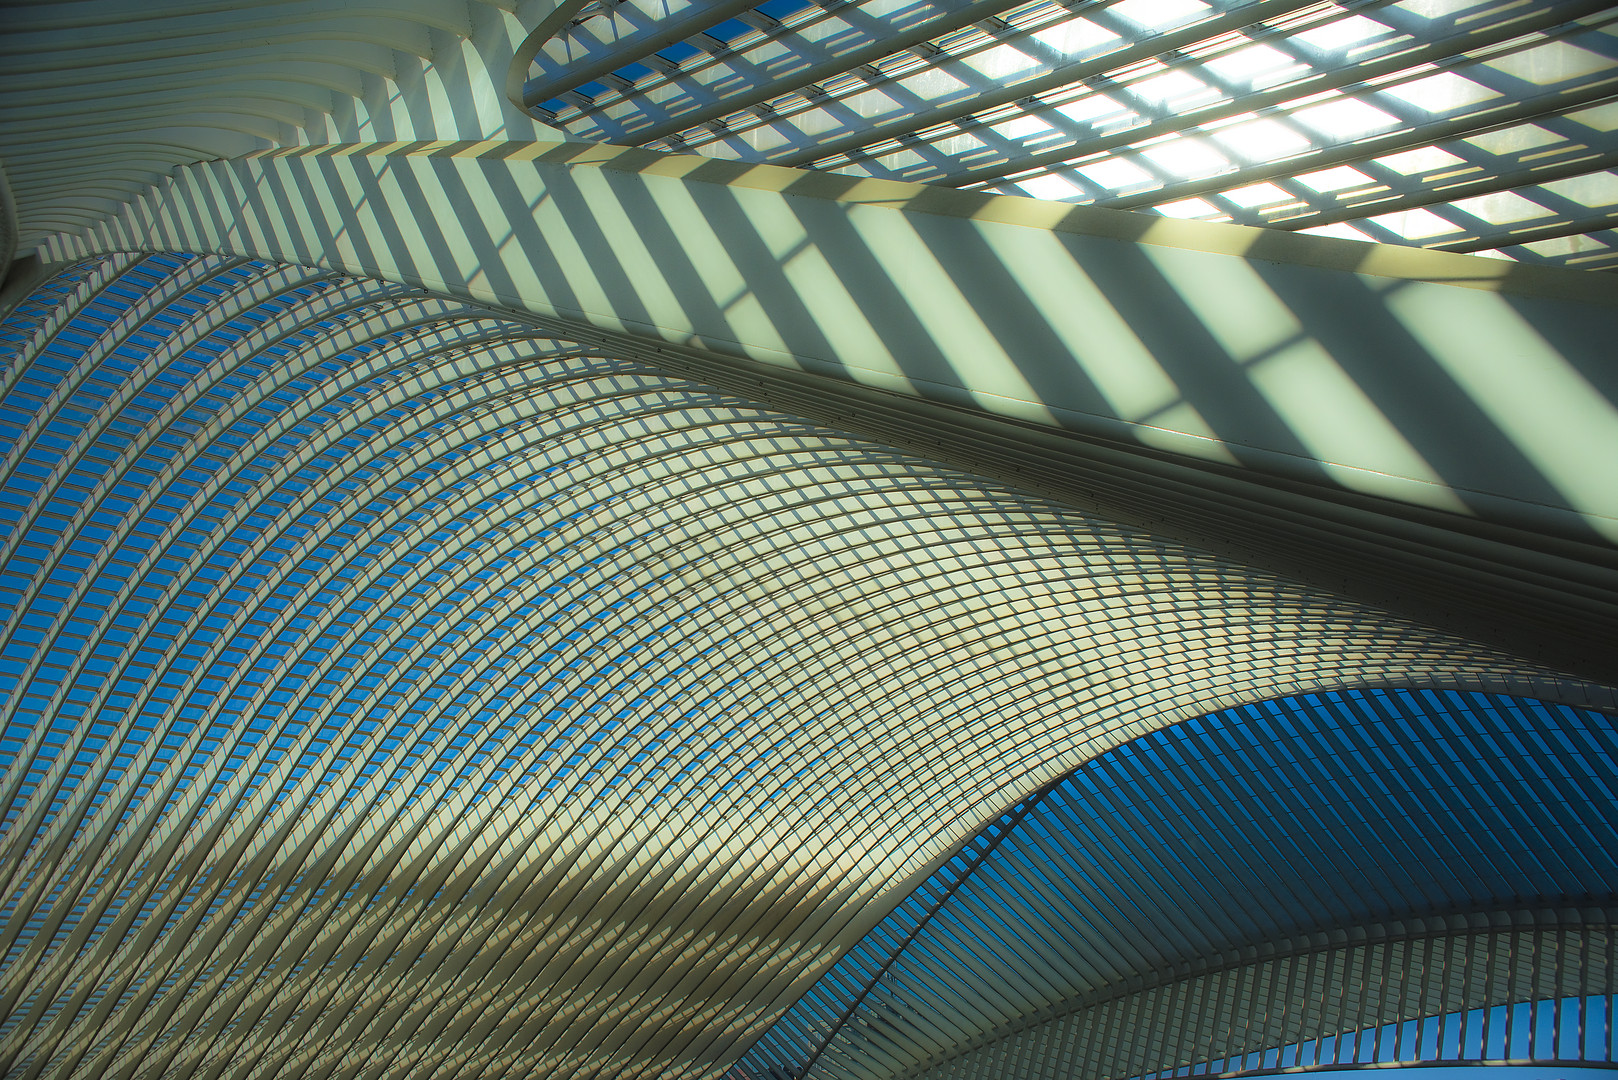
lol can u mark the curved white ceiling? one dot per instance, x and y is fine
(395, 690)
(99, 99)
(399, 686)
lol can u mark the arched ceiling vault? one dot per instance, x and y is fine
(1105, 923)
(527, 709)
(479, 601)
(1449, 382)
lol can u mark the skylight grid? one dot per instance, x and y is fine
(1179, 140)
(1023, 54)
(1593, 250)
(1223, 112)
(36, 309)
(808, 43)
(994, 68)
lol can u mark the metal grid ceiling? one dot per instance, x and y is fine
(1189, 849)
(1477, 126)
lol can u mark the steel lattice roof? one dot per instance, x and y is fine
(407, 674)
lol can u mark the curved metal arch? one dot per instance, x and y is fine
(29, 299)
(83, 583)
(622, 454)
(104, 273)
(1495, 996)
(496, 528)
(1219, 744)
(128, 945)
(452, 824)
(285, 374)
(170, 646)
(227, 307)
(522, 56)
(269, 382)
(287, 517)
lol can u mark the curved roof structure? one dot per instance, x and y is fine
(1171, 863)
(1468, 126)
(534, 533)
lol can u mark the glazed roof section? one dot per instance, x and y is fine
(1469, 125)
(379, 669)
(1316, 814)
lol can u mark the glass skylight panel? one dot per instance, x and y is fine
(1359, 87)
(1502, 208)
(1184, 158)
(1422, 160)
(1344, 119)
(998, 62)
(1155, 15)
(1258, 195)
(1052, 187)
(1597, 191)
(1076, 38)
(1256, 66)
(1483, 223)
(1597, 250)
(1173, 90)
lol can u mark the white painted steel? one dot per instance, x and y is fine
(786, 669)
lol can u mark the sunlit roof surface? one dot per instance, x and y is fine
(405, 676)
(378, 661)
(1467, 125)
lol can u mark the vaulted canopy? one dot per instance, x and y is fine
(877, 537)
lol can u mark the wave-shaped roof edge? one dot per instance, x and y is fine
(1400, 431)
